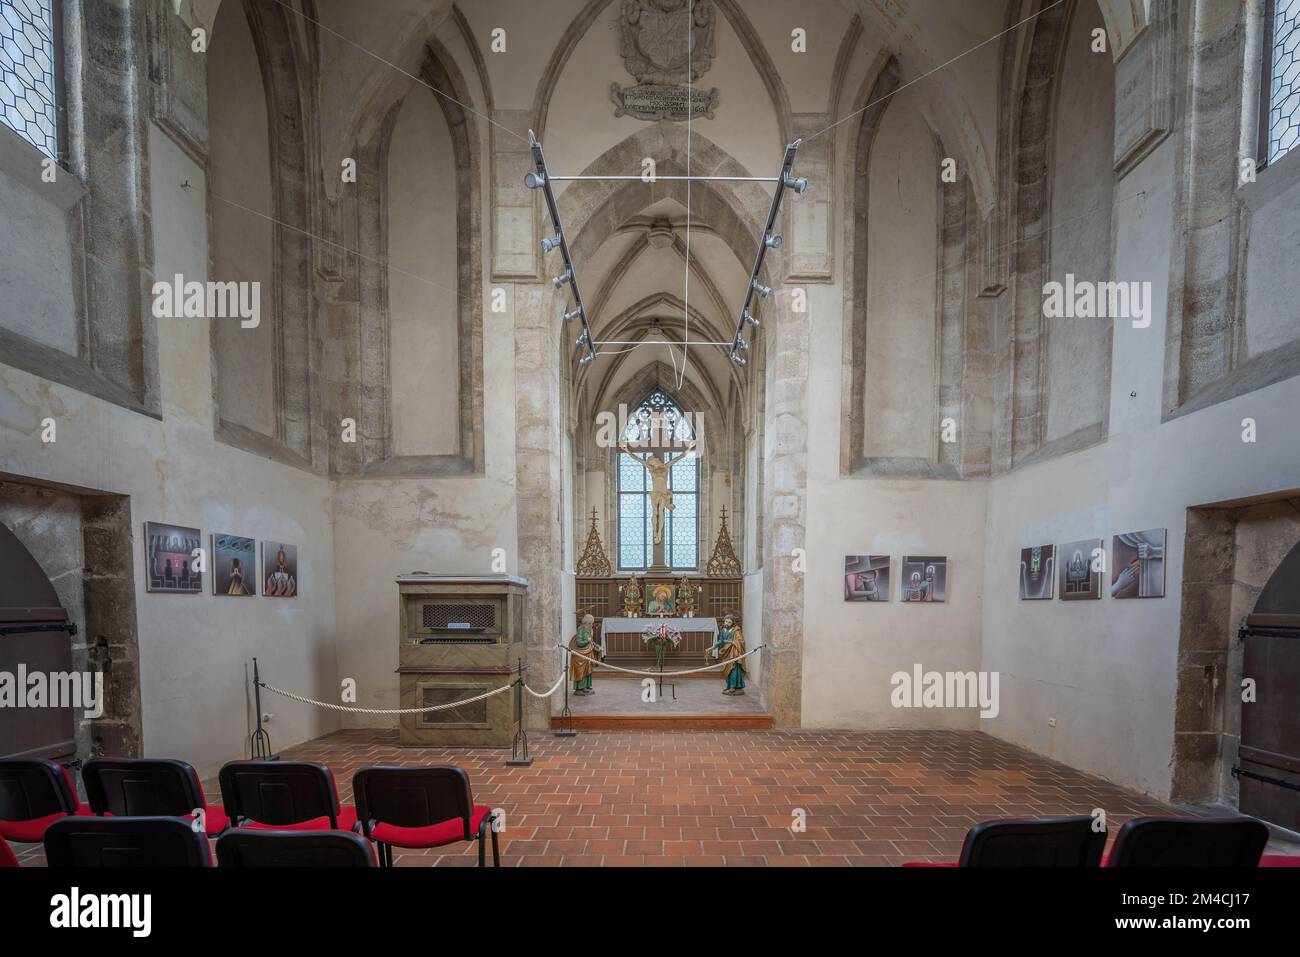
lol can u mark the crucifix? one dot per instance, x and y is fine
(661, 496)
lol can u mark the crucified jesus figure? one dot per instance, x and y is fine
(661, 497)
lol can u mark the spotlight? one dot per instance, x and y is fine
(561, 280)
(573, 315)
(582, 341)
(737, 359)
(586, 359)
(763, 291)
(772, 242)
(750, 318)
(534, 180)
(549, 244)
(741, 344)
(798, 184)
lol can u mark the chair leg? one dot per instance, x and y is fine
(482, 849)
(496, 850)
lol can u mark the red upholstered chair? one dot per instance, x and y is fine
(1280, 860)
(125, 842)
(1042, 842)
(284, 796)
(149, 787)
(7, 858)
(421, 807)
(1189, 842)
(34, 793)
(248, 847)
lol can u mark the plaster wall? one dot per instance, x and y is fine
(193, 648)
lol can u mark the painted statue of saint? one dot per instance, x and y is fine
(729, 647)
(583, 643)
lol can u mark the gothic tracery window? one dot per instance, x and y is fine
(1280, 122)
(28, 103)
(658, 427)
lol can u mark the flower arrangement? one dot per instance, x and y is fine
(659, 638)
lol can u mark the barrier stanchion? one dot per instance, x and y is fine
(566, 716)
(259, 745)
(519, 748)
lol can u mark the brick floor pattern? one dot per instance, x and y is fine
(698, 798)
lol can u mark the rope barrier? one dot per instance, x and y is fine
(343, 707)
(661, 674)
(495, 691)
(554, 688)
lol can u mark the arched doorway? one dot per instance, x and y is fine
(1268, 765)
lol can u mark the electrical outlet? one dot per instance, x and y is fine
(1051, 722)
(266, 718)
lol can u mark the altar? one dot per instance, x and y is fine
(698, 636)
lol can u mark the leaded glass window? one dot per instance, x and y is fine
(658, 427)
(1282, 78)
(27, 90)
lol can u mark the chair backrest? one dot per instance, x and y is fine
(412, 796)
(1190, 842)
(32, 788)
(125, 842)
(1043, 842)
(278, 792)
(246, 847)
(141, 787)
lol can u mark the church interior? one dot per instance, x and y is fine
(649, 432)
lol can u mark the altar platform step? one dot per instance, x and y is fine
(758, 721)
(682, 706)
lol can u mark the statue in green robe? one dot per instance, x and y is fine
(583, 644)
(729, 648)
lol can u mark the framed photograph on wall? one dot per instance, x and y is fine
(234, 566)
(924, 578)
(279, 570)
(169, 559)
(1082, 565)
(1037, 572)
(866, 578)
(1137, 564)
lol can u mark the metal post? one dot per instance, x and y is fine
(259, 746)
(566, 716)
(519, 748)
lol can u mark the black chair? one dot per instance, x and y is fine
(1189, 842)
(1042, 842)
(284, 796)
(34, 793)
(421, 807)
(125, 842)
(148, 787)
(249, 847)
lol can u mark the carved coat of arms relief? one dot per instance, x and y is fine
(662, 43)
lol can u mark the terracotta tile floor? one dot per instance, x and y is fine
(700, 798)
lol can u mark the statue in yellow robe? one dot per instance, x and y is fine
(583, 644)
(729, 649)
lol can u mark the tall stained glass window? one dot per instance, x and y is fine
(28, 103)
(1281, 94)
(658, 428)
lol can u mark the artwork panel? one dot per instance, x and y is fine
(279, 570)
(923, 578)
(1078, 579)
(1137, 564)
(169, 558)
(1037, 572)
(866, 578)
(234, 566)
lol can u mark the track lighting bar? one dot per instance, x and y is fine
(768, 240)
(541, 179)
